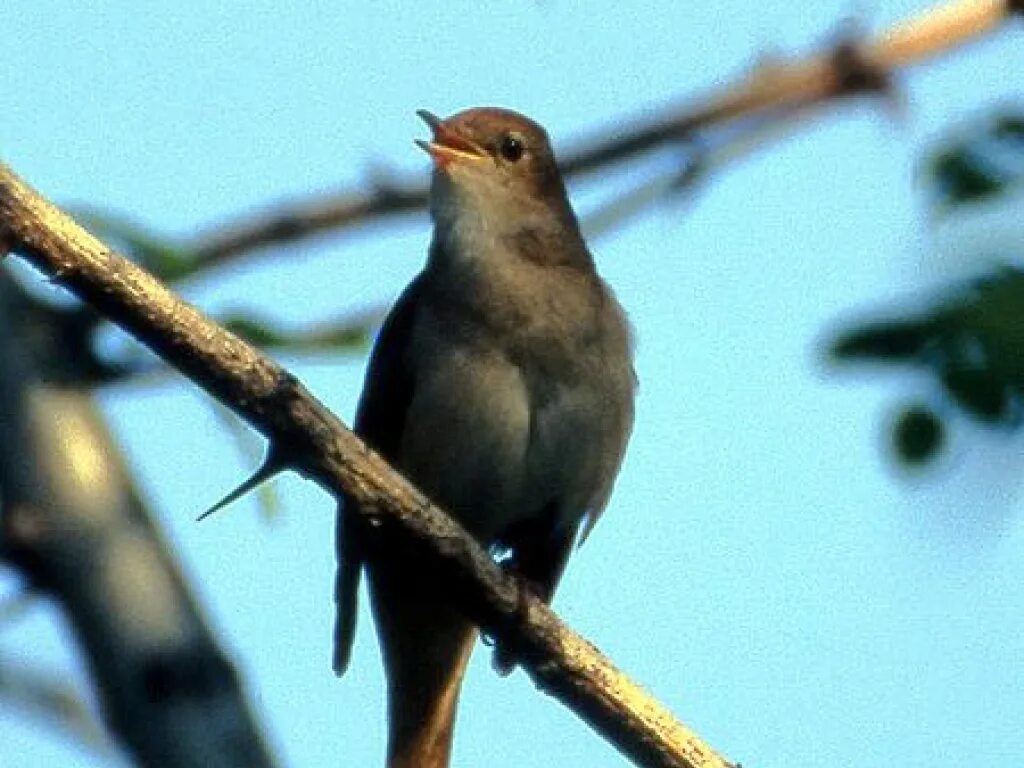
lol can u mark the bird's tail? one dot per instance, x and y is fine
(346, 589)
(426, 644)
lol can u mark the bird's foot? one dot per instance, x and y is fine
(505, 652)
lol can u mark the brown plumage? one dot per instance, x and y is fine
(502, 385)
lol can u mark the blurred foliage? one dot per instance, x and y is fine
(972, 338)
(173, 262)
(344, 334)
(53, 698)
(979, 165)
(972, 341)
(918, 435)
(155, 252)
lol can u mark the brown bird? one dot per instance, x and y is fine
(502, 386)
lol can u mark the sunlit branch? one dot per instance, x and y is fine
(311, 440)
(850, 66)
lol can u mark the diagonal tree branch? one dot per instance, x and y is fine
(315, 443)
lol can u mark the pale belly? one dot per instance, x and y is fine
(480, 445)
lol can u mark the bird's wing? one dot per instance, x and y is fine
(380, 421)
(614, 452)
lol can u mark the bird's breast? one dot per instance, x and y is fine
(505, 421)
(467, 435)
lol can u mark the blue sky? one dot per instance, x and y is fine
(761, 567)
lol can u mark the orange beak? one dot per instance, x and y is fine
(447, 146)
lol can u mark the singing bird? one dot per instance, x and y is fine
(502, 386)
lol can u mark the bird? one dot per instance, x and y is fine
(502, 385)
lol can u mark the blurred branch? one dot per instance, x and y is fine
(306, 437)
(348, 333)
(16, 606)
(701, 163)
(769, 93)
(299, 219)
(52, 698)
(74, 526)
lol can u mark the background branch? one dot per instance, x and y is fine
(773, 101)
(76, 529)
(51, 698)
(768, 94)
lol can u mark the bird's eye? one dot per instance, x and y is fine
(511, 147)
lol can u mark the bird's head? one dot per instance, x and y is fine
(496, 168)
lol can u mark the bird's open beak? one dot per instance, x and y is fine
(448, 145)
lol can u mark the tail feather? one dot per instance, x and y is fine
(346, 588)
(426, 643)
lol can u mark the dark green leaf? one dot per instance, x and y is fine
(918, 436)
(982, 161)
(980, 393)
(886, 341)
(960, 177)
(972, 341)
(1010, 128)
